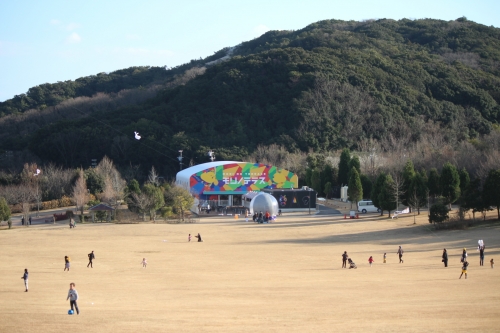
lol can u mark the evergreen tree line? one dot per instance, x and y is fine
(407, 186)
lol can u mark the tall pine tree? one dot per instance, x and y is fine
(408, 175)
(377, 189)
(345, 158)
(355, 190)
(433, 184)
(491, 190)
(449, 181)
(386, 197)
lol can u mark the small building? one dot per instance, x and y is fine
(294, 200)
(102, 208)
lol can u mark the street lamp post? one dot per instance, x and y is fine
(309, 201)
(37, 192)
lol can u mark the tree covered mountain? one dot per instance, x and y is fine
(328, 86)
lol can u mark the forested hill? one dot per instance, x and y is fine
(324, 87)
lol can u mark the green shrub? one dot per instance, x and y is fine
(438, 213)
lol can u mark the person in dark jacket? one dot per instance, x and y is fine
(445, 258)
(464, 255)
(344, 259)
(199, 237)
(481, 256)
(400, 253)
(91, 257)
(25, 277)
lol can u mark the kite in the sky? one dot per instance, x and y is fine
(137, 136)
(37, 172)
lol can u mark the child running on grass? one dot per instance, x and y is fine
(385, 257)
(370, 260)
(492, 263)
(66, 263)
(144, 262)
(464, 269)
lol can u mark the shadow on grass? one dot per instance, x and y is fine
(404, 235)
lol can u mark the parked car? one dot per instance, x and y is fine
(204, 206)
(366, 206)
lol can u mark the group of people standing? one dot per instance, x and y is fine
(345, 259)
(261, 218)
(463, 259)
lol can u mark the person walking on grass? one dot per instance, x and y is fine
(144, 262)
(199, 237)
(25, 277)
(189, 237)
(370, 260)
(73, 297)
(464, 255)
(481, 256)
(66, 263)
(385, 257)
(492, 263)
(344, 259)
(91, 257)
(445, 258)
(464, 269)
(400, 253)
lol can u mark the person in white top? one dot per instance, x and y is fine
(73, 297)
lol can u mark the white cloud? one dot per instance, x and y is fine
(73, 38)
(55, 22)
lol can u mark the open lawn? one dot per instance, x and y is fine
(246, 277)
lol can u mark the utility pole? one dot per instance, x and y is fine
(180, 158)
(37, 192)
(309, 201)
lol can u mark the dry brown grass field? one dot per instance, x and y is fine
(246, 277)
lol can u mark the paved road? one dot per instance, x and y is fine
(324, 210)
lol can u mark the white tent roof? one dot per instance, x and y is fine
(182, 177)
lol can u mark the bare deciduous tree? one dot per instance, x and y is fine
(153, 177)
(142, 202)
(80, 192)
(397, 188)
(114, 185)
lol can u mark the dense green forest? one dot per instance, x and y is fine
(331, 85)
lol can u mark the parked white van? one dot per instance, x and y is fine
(366, 206)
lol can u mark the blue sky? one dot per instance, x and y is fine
(52, 40)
